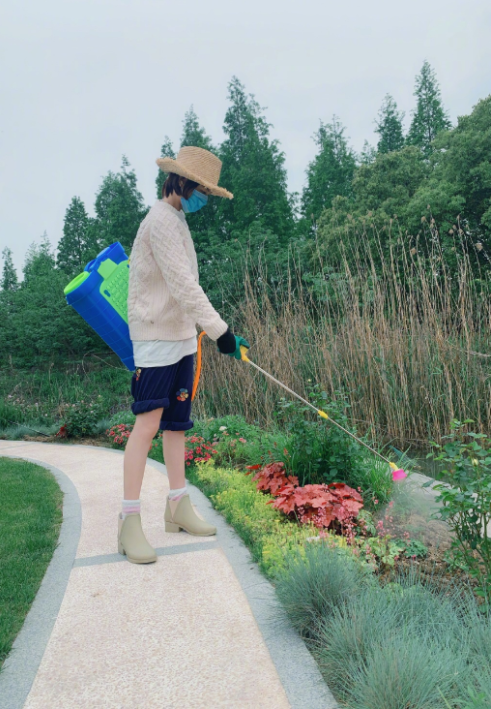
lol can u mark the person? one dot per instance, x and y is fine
(165, 302)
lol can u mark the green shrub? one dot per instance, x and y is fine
(234, 425)
(126, 417)
(82, 419)
(374, 478)
(9, 415)
(238, 443)
(319, 452)
(466, 500)
(268, 448)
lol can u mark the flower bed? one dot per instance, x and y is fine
(268, 533)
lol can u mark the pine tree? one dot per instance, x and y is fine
(9, 274)
(77, 245)
(119, 208)
(330, 173)
(167, 151)
(253, 170)
(389, 127)
(203, 220)
(430, 117)
(368, 154)
(193, 133)
(39, 260)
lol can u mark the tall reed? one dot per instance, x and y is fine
(397, 332)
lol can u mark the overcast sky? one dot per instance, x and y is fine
(84, 81)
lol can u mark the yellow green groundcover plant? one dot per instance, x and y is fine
(267, 532)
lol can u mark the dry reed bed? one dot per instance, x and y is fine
(405, 342)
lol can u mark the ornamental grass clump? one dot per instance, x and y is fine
(398, 646)
(317, 581)
(403, 645)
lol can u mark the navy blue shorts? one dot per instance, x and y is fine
(169, 388)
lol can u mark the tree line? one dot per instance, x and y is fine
(430, 184)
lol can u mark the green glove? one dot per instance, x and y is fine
(230, 344)
(239, 342)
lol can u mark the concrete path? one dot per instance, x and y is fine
(200, 629)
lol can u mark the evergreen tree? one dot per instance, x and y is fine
(368, 154)
(389, 183)
(459, 189)
(389, 127)
(167, 151)
(430, 117)
(77, 245)
(41, 327)
(193, 133)
(119, 208)
(253, 170)
(330, 173)
(39, 261)
(203, 220)
(9, 274)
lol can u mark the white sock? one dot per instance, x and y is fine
(177, 494)
(130, 507)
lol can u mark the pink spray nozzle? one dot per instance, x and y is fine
(398, 475)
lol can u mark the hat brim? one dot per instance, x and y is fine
(170, 165)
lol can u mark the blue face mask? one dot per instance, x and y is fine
(195, 202)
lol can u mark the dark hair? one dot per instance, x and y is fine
(172, 184)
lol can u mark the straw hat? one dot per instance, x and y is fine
(198, 165)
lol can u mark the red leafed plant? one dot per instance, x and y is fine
(272, 477)
(335, 505)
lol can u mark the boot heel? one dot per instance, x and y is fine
(171, 527)
(120, 548)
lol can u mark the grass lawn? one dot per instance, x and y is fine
(30, 520)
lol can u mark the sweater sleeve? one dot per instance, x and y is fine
(171, 257)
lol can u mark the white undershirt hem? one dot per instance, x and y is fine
(162, 353)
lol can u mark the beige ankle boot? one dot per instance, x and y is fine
(132, 541)
(181, 515)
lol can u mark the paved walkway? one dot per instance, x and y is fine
(200, 629)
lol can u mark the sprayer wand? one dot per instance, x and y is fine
(397, 473)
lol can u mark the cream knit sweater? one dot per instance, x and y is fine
(165, 300)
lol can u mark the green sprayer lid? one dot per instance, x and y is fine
(77, 281)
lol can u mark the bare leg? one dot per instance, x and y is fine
(174, 446)
(135, 455)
